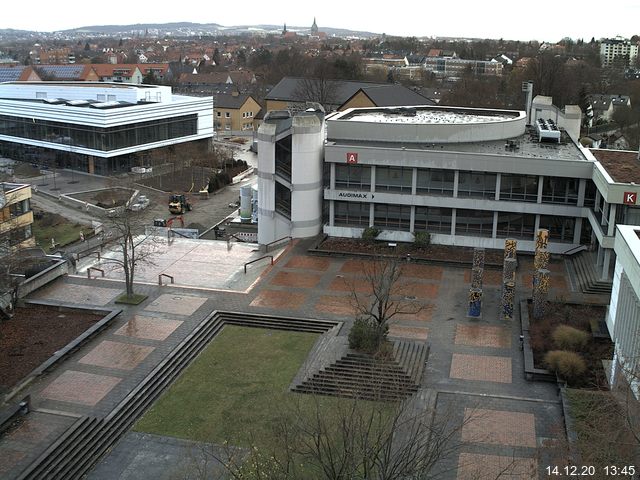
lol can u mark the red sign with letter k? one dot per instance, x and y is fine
(630, 198)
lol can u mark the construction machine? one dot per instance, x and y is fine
(178, 204)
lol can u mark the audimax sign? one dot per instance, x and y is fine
(359, 195)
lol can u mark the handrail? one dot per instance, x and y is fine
(96, 269)
(266, 247)
(165, 275)
(261, 258)
(574, 250)
(86, 253)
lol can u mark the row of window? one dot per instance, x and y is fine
(98, 138)
(14, 237)
(228, 114)
(15, 210)
(439, 219)
(470, 184)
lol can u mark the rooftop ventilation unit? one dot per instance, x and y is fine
(547, 131)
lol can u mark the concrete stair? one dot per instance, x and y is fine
(587, 277)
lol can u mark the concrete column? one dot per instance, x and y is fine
(373, 178)
(453, 222)
(456, 179)
(612, 220)
(606, 263)
(577, 231)
(598, 197)
(582, 187)
(412, 221)
(494, 230)
(414, 184)
(599, 257)
(498, 182)
(536, 226)
(332, 181)
(332, 213)
(605, 213)
(371, 212)
(540, 184)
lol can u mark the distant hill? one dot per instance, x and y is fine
(175, 29)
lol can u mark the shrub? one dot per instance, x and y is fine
(370, 234)
(569, 338)
(568, 365)
(366, 336)
(422, 239)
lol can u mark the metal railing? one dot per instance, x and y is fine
(573, 250)
(96, 269)
(257, 259)
(171, 280)
(266, 247)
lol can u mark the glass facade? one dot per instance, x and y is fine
(560, 228)
(394, 217)
(436, 182)
(97, 138)
(394, 179)
(478, 223)
(560, 190)
(516, 225)
(477, 185)
(433, 219)
(356, 177)
(519, 187)
(283, 200)
(354, 214)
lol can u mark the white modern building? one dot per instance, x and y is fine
(623, 316)
(101, 126)
(619, 51)
(469, 177)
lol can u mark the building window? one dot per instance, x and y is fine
(560, 190)
(433, 219)
(354, 214)
(519, 187)
(394, 217)
(283, 200)
(227, 127)
(516, 225)
(394, 179)
(227, 115)
(356, 177)
(433, 181)
(560, 228)
(219, 114)
(244, 114)
(476, 223)
(477, 185)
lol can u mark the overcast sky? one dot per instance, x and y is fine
(539, 20)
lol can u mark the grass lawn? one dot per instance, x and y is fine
(60, 229)
(232, 391)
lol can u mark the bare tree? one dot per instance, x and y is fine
(132, 246)
(383, 298)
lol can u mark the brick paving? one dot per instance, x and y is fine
(473, 466)
(79, 387)
(497, 427)
(150, 328)
(176, 304)
(481, 368)
(489, 277)
(462, 369)
(279, 299)
(121, 356)
(350, 284)
(483, 336)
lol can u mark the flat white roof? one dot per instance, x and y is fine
(428, 117)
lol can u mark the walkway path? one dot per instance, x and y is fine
(474, 365)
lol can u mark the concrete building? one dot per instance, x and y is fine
(618, 51)
(290, 171)
(16, 217)
(97, 127)
(623, 315)
(469, 177)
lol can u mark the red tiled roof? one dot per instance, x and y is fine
(622, 165)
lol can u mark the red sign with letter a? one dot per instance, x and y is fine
(352, 157)
(630, 198)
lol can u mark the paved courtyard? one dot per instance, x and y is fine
(475, 366)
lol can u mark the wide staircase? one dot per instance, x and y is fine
(587, 276)
(73, 454)
(334, 369)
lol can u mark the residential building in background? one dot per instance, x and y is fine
(16, 217)
(235, 113)
(618, 51)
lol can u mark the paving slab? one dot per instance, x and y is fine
(279, 299)
(79, 387)
(150, 328)
(79, 294)
(474, 466)
(176, 304)
(483, 336)
(499, 427)
(121, 356)
(481, 368)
